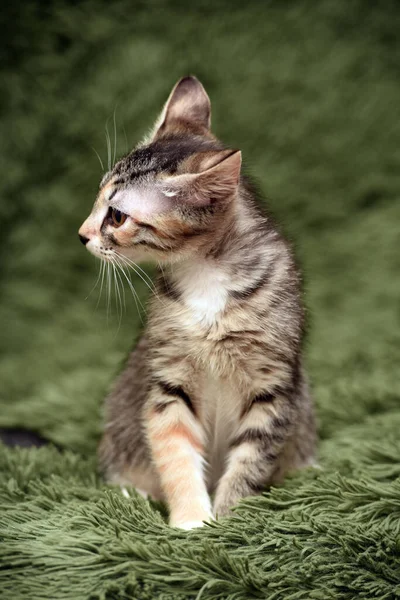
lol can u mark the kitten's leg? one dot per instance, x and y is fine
(176, 440)
(255, 450)
(124, 455)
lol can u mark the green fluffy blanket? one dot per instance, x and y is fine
(311, 93)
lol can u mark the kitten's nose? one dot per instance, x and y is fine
(83, 239)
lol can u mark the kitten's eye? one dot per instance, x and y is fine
(118, 218)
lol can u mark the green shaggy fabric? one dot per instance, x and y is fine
(310, 91)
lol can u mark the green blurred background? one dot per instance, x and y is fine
(310, 91)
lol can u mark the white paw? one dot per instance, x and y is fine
(125, 492)
(139, 491)
(313, 463)
(188, 525)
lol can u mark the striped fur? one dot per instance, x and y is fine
(214, 398)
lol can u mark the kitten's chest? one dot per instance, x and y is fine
(203, 293)
(220, 409)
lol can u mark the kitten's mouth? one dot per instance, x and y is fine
(103, 252)
(108, 254)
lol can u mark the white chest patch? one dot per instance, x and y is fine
(204, 290)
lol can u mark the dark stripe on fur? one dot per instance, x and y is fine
(260, 436)
(146, 226)
(269, 457)
(167, 288)
(112, 239)
(264, 397)
(161, 406)
(250, 435)
(133, 176)
(252, 289)
(149, 244)
(234, 336)
(177, 390)
(119, 181)
(162, 155)
(281, 423)
(254, 486)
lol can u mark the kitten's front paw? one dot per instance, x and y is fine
(223, 505)
(188, 525)
(223, 511)
(190, 521)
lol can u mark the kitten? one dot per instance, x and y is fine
(214, 396)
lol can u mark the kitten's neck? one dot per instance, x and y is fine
(228, 265)
(237, 244)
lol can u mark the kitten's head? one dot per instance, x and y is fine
(169, 197)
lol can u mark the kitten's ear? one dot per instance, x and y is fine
(217, 182)
(188, 107)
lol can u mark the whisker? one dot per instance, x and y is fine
(108, 288)
(117, 297)
(98, 156)
(163, 275)
(108, 141)
(135, 297)
(97, 281)
(115, 291)
(134, 266)
(115, 137)
(149, 279)
(126, 140)
(122, 284)
(161, 268)
(103, 268)
(134, 292)
(122, 292)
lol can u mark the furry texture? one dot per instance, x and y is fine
(221, 386)
(322, 81)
